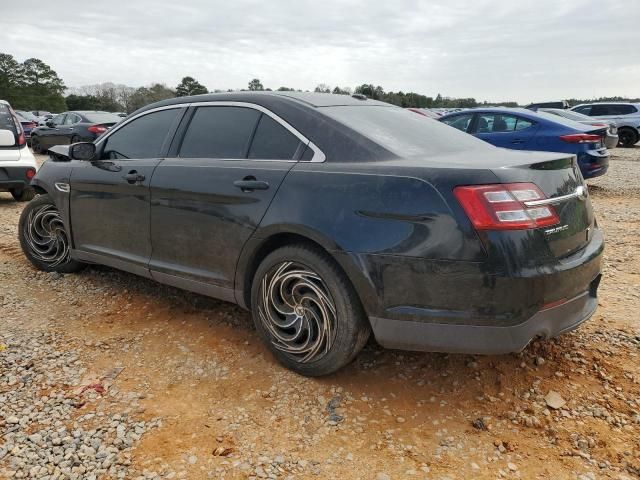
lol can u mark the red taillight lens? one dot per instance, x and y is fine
(502, 206)
(21, 139)
(30, 174)
(580, 138)
(97, 129)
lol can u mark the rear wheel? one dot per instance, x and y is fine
(75, 139)
(627, 137)
(307, 311)
(35, 145)
(43, 238)
(23, 195)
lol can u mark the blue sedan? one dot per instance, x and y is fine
(521, 129)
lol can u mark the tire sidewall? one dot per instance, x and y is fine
(351, 325)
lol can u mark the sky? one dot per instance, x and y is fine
(487, 49)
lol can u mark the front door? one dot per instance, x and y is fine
(109, 202)
(208, 200)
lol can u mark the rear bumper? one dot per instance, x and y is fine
(484, 339)
(14, 177)
(489, 314)
(593, 164)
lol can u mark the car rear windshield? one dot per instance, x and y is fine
(102, 117)
(563, 121)
(571, 115)
(403, 132)
(6, 119)
(28, 116)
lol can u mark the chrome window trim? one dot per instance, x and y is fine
(318, 155)
(580, 193)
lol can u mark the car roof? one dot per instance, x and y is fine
(607, 103)
(310, 99)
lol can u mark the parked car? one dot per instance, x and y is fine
(561, 104)
(17, 164)
(425, 112)
(522, 129)
(329, 217)
(610, 141)
(626, 116)
(28, 121)
(72, 127)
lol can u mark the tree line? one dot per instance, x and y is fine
(34, 85)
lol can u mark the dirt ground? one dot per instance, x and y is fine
(209, 401)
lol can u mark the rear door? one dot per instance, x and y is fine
(109, 199)
(66, 130)
(505, 130)
(50, 136)
(211, 195)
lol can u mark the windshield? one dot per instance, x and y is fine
(27, 116)
(102, 117)
(403, 132)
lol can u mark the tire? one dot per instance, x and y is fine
(627, 137)
(43, 238)
(75, 139)
(24, 195)
(323, 326)
(35, 145)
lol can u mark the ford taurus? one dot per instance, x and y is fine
(329, 217)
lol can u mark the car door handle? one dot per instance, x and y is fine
(517, 141)
(133, 177)
(248, 184)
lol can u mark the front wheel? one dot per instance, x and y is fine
(627, 138)
(35, 145)
(43, 237)
(24, 195)
(307, 311)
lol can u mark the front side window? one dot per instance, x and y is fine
(140, 138)
(58, 119)
(461, 122)
(219, 132)
(272, 141)
(585, 110)
(71, 119)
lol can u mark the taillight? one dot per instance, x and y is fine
(21, 139)
(599, 125)
(502, 206)
(97, 129)
(580, 138)
(30, 173)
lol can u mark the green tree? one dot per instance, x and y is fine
(146, 95)
(255, 85)
(9, 73)
(30, 85)
(190, 86)
(323, 88)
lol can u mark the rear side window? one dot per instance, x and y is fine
(461, 122)
(6, 119)
(498, 123)
(622, 109)
(219, 132)
(272, 141)
(142, 137)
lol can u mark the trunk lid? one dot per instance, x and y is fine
(558, 177)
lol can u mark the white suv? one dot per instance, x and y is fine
(17, 163)
(625, 115)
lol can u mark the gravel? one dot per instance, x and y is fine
(106, 375)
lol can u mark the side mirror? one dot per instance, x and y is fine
(50, 124)
(82, 151)
(7, 138)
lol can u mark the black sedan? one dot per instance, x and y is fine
(72, 127)
(330, 217)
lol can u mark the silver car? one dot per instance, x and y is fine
(610, 141)
(626, 116)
